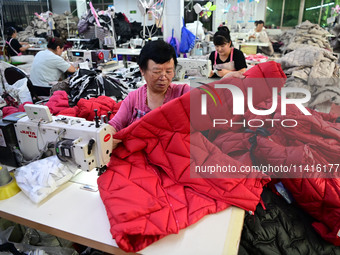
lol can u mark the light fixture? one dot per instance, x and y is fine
(319, 6)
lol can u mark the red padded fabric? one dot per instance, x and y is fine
(85, 108)
(58, 102)
(315, 141)
(147, 189)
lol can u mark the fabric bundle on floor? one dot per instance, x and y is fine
(279, 228)
(316, 70)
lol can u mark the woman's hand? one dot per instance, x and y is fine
(222, 72)
(235, 75)
(115, 141)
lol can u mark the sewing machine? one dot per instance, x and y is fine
(192, 67)
(88, 144)
(93, 57)
(37, 42)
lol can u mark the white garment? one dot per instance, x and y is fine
(263, 38)
(47, 67)
(260, 36)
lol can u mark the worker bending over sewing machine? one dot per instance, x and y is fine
(157, 62)
(14, 47)
(226, 60)
(48, 66)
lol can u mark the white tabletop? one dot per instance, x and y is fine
(36, 49)
(260, 44)
(127, 51)
(79, 216)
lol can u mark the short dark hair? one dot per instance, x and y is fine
(222, 36)
(10, 31)
(159, 51)
(54, 42)
(257, 22)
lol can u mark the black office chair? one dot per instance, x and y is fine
(13, 74)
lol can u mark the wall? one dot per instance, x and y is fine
(81, 8)
(125, 6)
(238, 14)
(60, 6)
(173, 13)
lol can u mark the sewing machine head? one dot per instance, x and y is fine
(88, 144)
(192, 67)
(93, 57)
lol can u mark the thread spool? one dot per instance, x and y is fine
(8, 185)
(5, 177)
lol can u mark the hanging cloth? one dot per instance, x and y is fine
(174, 43)
(187, 40)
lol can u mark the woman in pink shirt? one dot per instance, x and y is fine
(157, 62)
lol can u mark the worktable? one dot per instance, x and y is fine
(125, 52)
(79, 215)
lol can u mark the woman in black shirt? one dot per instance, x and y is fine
(226, 60)
(14, 47)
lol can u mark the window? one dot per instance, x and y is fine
(291, 13)
(326, 11)
(20, 13)
(102, 4)
(273, 13)
(310, 12)
(295, 12)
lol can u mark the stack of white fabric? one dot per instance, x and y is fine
(42, 177)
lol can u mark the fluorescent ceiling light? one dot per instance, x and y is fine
(269, 9)
(319, 6)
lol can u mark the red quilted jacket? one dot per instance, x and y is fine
(314, 142)
(148, 191)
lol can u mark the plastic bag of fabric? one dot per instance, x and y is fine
(20, 91)
(174, 43)
(40, 178)
(187, 40)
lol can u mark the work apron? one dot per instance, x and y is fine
(9, 43)
(229, 65)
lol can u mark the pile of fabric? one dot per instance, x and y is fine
(316, 70)
(159, 154)
(39, 26)
(130, 77)
(64, 20)
(281, 228)
(123, 29)
(305, 33)
(88, 84)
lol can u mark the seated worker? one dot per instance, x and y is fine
(48, 66)
(226, 60)
(157, 62)
(259, 34)
(14, 47)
